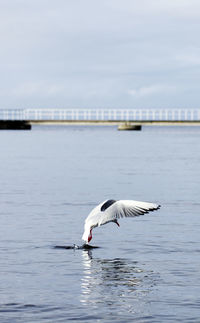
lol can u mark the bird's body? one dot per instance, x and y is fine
(111, 211)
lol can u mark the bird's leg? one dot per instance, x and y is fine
(117, 223)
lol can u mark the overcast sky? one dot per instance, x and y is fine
(100, 53)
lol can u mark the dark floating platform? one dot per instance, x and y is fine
(74, 247)
(130, 126)
(14, 125)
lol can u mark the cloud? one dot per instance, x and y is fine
(150, 9)
(30, 89)
(191, 58)
(150, 90)
(81, 53)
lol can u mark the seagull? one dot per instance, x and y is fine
(111, 211)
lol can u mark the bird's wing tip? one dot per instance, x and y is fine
(156, 207)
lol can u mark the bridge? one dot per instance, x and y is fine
(103, 116)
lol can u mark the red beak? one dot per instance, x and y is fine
(90, 236)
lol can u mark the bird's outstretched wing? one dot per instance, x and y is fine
(126, 208)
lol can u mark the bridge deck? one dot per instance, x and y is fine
(117, 122)
(104, 116)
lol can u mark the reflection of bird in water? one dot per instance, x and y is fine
(111, 211)
(113, 281)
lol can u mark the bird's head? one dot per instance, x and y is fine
(87, 235)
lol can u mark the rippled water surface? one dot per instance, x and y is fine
(145, 271)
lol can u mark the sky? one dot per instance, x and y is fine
(99, 54)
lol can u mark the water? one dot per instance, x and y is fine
(145, 271)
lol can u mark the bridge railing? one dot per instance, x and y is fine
(101, 114)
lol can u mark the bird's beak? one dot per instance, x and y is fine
(90, 236)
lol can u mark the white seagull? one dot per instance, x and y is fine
(111, 210)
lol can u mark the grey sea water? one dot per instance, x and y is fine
(145, 271)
